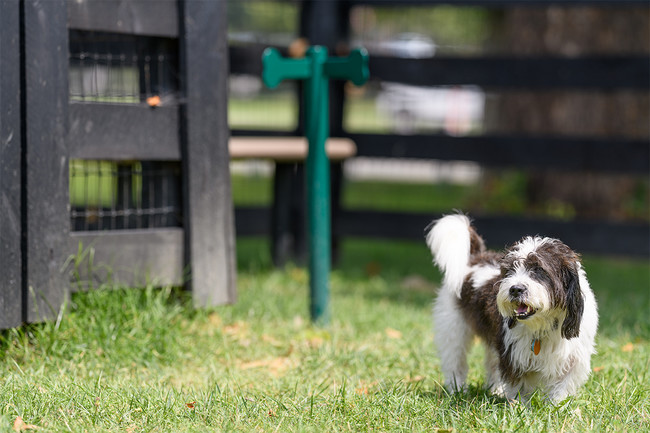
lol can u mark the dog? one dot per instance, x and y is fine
(531, 305)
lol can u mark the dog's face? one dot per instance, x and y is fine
(540, 286)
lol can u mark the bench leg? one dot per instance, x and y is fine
(288, 223)
(336, 179)
(281, 238)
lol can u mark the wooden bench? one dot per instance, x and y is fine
(288, 214)
(287, 149)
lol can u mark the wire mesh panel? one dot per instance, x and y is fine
(122, 193)
(116, 68)
(107, 195)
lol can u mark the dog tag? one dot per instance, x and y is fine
(536, 346)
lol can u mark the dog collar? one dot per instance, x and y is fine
(535, 346)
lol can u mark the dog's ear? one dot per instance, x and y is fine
(575, 304)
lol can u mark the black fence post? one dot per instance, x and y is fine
(326, 22)
(208, 211)
(46, 223)
(10, 167)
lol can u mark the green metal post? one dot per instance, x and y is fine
(316, 69)
(318, 184)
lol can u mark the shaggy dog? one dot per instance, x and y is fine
(531, 305)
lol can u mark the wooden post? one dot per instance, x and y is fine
(46, 215)
(208, 210)
(10, 167)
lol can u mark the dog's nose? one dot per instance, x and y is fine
(517, 291)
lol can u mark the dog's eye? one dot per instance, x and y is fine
(539, 273)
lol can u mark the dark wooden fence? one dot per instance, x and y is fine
(178, 50)
(327, 23)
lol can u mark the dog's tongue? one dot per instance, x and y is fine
(522, 309)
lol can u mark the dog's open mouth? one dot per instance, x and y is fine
(524, 311)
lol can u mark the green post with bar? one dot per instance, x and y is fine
(316, 69)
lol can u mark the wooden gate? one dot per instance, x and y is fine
(114, 143)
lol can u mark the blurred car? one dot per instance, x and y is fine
(408, 45)
(457, 110)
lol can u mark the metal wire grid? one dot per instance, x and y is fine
(108, 195)
(113, 68)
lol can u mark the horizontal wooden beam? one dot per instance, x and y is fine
(596, 237)
(530, 73)
(500, 3)
(247, 59)
(263, 133)
(138, 17)
(575, 153)
(123, 132)
(592, 237)
(130, 257)
(500, 72)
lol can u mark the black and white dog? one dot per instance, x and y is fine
(531, 305)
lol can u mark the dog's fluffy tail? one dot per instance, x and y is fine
(452, 241)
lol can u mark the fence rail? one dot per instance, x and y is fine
(602, 73)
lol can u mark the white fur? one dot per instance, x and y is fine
(455, 340)
(538, 297)
(562, 365)
(481, 274)
(449, 242)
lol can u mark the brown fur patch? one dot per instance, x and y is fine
(479, 306)
(477, 245)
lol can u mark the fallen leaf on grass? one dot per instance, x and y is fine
(628, 347)
(599, 368)
(315, 342)
(275, 366)
(393, 333)
(190, 405)
(417, 283)
(236, 329)
(373, 269)
(215, 320)
(298, 322)
(364, 388)
(577, 412)
(271, 340)
(414, 379)
(314, 338)
(443, 430)
(299, 275)
(20, 425)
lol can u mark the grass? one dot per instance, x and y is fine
(503, 193)
(274, 110)
(416, 197)
(132, 360)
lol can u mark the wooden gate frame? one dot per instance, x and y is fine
(41, 130)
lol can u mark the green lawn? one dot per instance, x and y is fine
(128, 360)
(415, 197)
